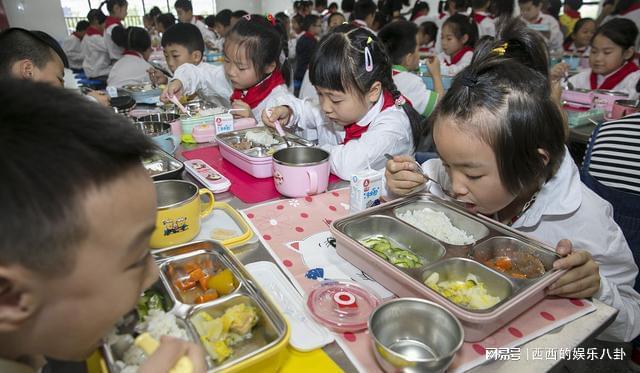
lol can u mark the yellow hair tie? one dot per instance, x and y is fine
(369, 40)
(500, 50)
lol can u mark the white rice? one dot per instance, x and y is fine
(437, 224)
(261, 137)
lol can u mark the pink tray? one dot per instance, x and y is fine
(518, 295)
(260, 168)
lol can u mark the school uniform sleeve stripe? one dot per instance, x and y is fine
(432, 100)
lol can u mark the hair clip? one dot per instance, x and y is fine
(271, 19)
(247, 17)
(368, 60)
(400, 101)
(501, 49)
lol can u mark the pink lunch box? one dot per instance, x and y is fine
(517, 295)
(578, 97)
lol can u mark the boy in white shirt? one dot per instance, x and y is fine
(531, 13)
(184, 8)
(72, 46)
(485, 21)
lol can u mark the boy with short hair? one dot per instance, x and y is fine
(400, 38)
(184, 9)
(72, 46)
(531, 14)
(74, 248)
(364, 13)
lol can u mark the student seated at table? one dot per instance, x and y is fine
(72, 46)
(482, 18)
(427, 34)
(611, 60)
(132, 67)
(401, 41)
(577, 43)
(362, 115)
(459, 35)
(117, 13)
(97, 62)
(184, 9)
(164, 21)
(531, 13)
(305, 47)
(254, 63)
(86, 215)
(500, 137)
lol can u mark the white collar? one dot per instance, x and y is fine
(372, 113)
(561, 195)
(360, 22)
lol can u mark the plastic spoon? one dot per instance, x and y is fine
(181, 107)
(280, 130)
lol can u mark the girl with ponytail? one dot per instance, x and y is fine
(132, 67)
(117, 13)
(362, 115)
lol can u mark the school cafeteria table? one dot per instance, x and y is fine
(569, 336)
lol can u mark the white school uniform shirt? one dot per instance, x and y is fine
(566, 208)
(206, 79)
(115, 51)
(389, 132)
(451, 70)
(130, 69)
(413, 88)
(487, 26)
(582, 80)
(554, 42)
(583, 52)
(72, 47)
(207, 35)
(96, 56)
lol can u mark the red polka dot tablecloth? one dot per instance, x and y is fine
(283, 224)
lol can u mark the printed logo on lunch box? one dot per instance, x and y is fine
(224, 123)
(277, 176)
(172, 226)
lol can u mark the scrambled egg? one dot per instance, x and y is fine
(470, 293)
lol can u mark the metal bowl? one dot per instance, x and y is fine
(414, 335)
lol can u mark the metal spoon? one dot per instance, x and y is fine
(567, 82)
(420, 171)
(282, 133)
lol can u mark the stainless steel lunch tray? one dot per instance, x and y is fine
(258, 150)
(163, 166)
(516, 294)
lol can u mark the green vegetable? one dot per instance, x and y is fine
(391, 252)
(150, 300)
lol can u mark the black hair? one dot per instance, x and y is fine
(309, 21)
(112, 4)
(534, 2)
(333, 5)
(364, 8)
(380, 19)
(155, 12)
(502, 10)
(463, 25)
(623, 5)
(579, 24)
(508, 105)
(282, 17)
(299, 18)
(85, 146)
(621, 31)
(399, 39)
(184, 34)
(96, 15)
(338, 64)
(166, 20)
(184, 5)
(82, 26)
(523, 44)
(420, 6)
(336, 14)
(263, 43)
(429, 28)
(476, 4)
(132, 38)
(224, 17)
(553, 8)
(210, 20)
(18, 44)
(322, 3)
(239, 14)
(347, 5)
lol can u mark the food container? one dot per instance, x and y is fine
(204, 133)
(580, 118)
(160, 133)
(622, 108)
(581, 98)
(142, 93)
(254, 159)
(123, 104)
(515, 295)
(163, 166)
(171, 118)
(301, 171)
(226, 226)
(605, 99)
(572, 60)
(414, 335)
(266, 350)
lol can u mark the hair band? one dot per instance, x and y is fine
(501, 49)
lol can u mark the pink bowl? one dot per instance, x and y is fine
(301, 171)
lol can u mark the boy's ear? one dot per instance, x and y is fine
(629, 53)
(23, 69)
(544, 154)
(269, 68)
(18, 297)
(196, 56)
(374, 92)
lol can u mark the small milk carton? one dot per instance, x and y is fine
(366, 190)
(223, 123)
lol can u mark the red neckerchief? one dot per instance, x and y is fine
(77, 35)
(458, 56)
(570, 46)
(417, 15)
(630, 9)
(442, 15)
(256, 94)
(538, 21)
(478, 18)
(309, 35)
(129, 52)
(571, 13)
(93, 31)
(428, 47)
(354, 131)
(614, 79)
(112, 21)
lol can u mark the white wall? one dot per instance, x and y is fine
(256, 6)
(43, 15)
